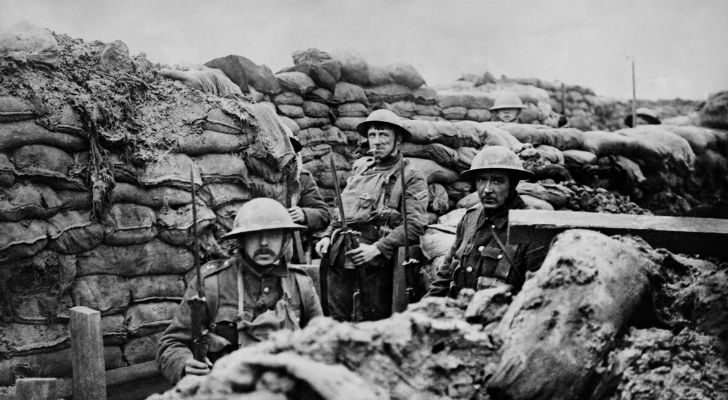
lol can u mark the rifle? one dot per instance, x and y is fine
(351, 241)
(198, 302)
(411, 265)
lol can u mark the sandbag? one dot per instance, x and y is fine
(28, 201)
(657, 144)
(556, 195)
(561, 138)
(261, 168)
(352, 110)
(427, 110)
(146, 318)
(438, 202)
(468, 201)
(321, 95)
(13, 109)
(714, 113)
(316, 110)
(436, 242)
(404, 109)
(533, 203)
(220, 194)
(478, 115)
(175, 226)
(349, 93)
(108, 294)
(403, 74)
(324, 70)
(436, 152)
(221, 168)
(155, 197)
(593, 285)
(19, 134)
(211, 142)
(354, 67)
(465, 157)
(245, 73)
(71, 232)
(425, 95)
(46, 164)
(454, 113)
(128, 223)
(316, 151)
(22, 239)
(7, 171)
(221, 120)
(454, 135)
(225, 215)
(313, 136)
(156, 287)
(493, 136)
(26, 43)
(207, 80)
(550, 154)
(700, 139)
(270, 138)
(296, 82)
(310, 122)
(388, 93)
(142, 349)
(348, 123)
(288, 98)
(171, 170)
(73, 200)
(450, 98)
(261, 188)
(152, 258)
(433, 172)
(22, 339)
(290, 111)
(450, 221)
(578, 158)
(290, 124)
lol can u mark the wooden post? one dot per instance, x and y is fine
(87, 355)
(634, 99)
(35, 389)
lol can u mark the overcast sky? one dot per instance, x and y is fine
(680, 46)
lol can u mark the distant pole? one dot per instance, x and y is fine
(87, 354)
(634, 99)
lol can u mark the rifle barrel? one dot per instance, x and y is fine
(337, 190)
(196, 244)
(404, 209)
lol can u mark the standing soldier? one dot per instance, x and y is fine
(507, 107)
(481, 256)
(248, 295)
(308, 206)
(370, 202)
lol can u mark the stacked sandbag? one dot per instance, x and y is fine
(714, 113)
(97, 159)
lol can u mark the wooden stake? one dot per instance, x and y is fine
(35, 389)
(634, 99)
(87, 348)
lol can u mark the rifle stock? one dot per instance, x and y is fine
(198, 302)
(411, 265)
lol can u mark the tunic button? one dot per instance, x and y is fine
(469, 269)
(266, 290)
(481, 248)
(499, 256)
(492, 226)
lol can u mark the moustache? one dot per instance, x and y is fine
(264, 251)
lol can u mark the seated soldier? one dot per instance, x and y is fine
(248, 295)
(481, 256)
(507, 107)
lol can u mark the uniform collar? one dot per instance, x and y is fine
(499, 217)
(279, 270)
(389, 161)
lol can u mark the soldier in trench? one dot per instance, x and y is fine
(481, 256)
(371, 201)
(248, 295)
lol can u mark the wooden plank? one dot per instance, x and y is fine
(35, 389)
(132, 373)
(87, 354)
(704, 236)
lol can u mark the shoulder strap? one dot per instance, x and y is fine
(212, 292)
(393, 191)
(298, 276)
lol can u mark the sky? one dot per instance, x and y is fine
(680, 47)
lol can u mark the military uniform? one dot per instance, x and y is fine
(476, 257)
(279, 297)
(371, 201)
(312, 204)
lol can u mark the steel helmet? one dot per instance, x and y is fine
(507, 100)
(385, 117)
(497, 158)
(645, 113)
(261, 214)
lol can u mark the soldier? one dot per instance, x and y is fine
(371, 202)
(308, 206)
(480, 256)
(507, 107)
(645, 116)
(248, 295)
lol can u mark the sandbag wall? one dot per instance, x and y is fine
(96, 171)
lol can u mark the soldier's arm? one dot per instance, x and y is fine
(416, 198)
(312, 204)
(440, 287)
(175, 344)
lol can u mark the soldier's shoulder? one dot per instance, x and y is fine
(363, 163)
(297, 269)
(474, 208)
(215, 267)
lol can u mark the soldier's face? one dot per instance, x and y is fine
(263, 247)
(382, 141)
(493, 188)
(507, 114)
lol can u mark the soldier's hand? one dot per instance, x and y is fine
(322, 247)
(297, 214)
(363, 254)
(194, 367)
